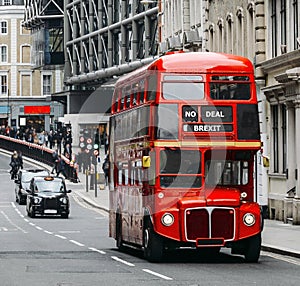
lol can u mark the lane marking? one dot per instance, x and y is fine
(48, 232)
(157, 274)
(122, 261)
(60, 236)
(97, 250)
(39, 228)
(76, 242)
(13, 224)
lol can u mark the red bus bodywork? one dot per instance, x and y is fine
(185, 109)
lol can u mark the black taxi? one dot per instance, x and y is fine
(48, 195)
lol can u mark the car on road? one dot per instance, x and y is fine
(23, 180)
(48, 196)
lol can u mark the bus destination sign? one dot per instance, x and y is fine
(212, 118)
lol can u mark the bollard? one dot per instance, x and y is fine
(87, 180)
(95, 179)
(92, 177)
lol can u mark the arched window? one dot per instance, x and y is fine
(229, 38)
(220, 25)
(251, 31)
(239, 32)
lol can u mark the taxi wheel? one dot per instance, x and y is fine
(65, 215)
(31, 212)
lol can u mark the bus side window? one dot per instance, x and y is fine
(152, 87)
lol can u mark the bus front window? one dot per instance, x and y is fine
(226, 173)
(180, 168)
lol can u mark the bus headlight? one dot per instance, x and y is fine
(167, 219)
(249, 219)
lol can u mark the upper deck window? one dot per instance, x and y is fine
(179, 87)
(230, 87)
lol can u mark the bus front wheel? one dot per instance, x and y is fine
(252, 248)
(153, 244)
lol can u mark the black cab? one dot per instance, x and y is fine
(48, 196)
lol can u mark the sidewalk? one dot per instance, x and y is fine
(277, 236)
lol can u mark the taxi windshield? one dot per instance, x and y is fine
(26, 177)
(55, 186)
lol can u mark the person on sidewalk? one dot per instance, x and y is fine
(55, 161)
(14, 164)
(61, 167)
(105, 168)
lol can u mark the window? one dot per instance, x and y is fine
(3, 53)
(226, 172)
(284, 137)
(295, 23)
(46, 84)
(229, 20)
(279, 151)
(3, 82)
(283, 22)
(180, 168)
(6, 2)
(275, 138)
(239, 32)
(3, 27)
(274, 28)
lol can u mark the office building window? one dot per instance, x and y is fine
(284, 137)
(3, 54)
(46, 84)
(6, 2)
(3, 27)
(296, 23)
(3, 82)
(273, 33)
(275, 144)
(283, 22)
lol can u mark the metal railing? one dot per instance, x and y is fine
(38, 153)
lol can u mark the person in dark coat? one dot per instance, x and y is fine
(61, 167)
(14, 164)
(105, 168)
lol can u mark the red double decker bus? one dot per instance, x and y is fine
(184, 132)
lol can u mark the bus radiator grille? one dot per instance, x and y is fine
(209, 223)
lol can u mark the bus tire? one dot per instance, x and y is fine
(119, 241)
(252, 248)
(153, 244)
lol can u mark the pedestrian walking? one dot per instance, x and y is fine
(14, 164)
(61, 167)
(105, 168)
(55, 160)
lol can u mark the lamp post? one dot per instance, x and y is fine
(8, 109)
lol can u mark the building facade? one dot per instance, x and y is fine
(25, 94)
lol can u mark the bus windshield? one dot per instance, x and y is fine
(226, 172)
(182, 167)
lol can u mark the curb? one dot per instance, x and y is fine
(274, 249)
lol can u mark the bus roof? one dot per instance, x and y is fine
(195, 62)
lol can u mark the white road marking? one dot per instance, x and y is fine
(122, 261)
(60, 236)
(97, 250)
(48, 232)
(76, 242)
(157, 274)
(39, 228)
(13, 224)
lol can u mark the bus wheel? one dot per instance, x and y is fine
(153, 244)
(119, 241)
(252, 248)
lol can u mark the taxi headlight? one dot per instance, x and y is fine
(64, 200)
(37, 200)
(249, 219)
(167, 219)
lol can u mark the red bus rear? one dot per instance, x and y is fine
(184, 132)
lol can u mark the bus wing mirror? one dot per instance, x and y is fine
(146, 161)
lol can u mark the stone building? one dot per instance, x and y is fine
(25, 93)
